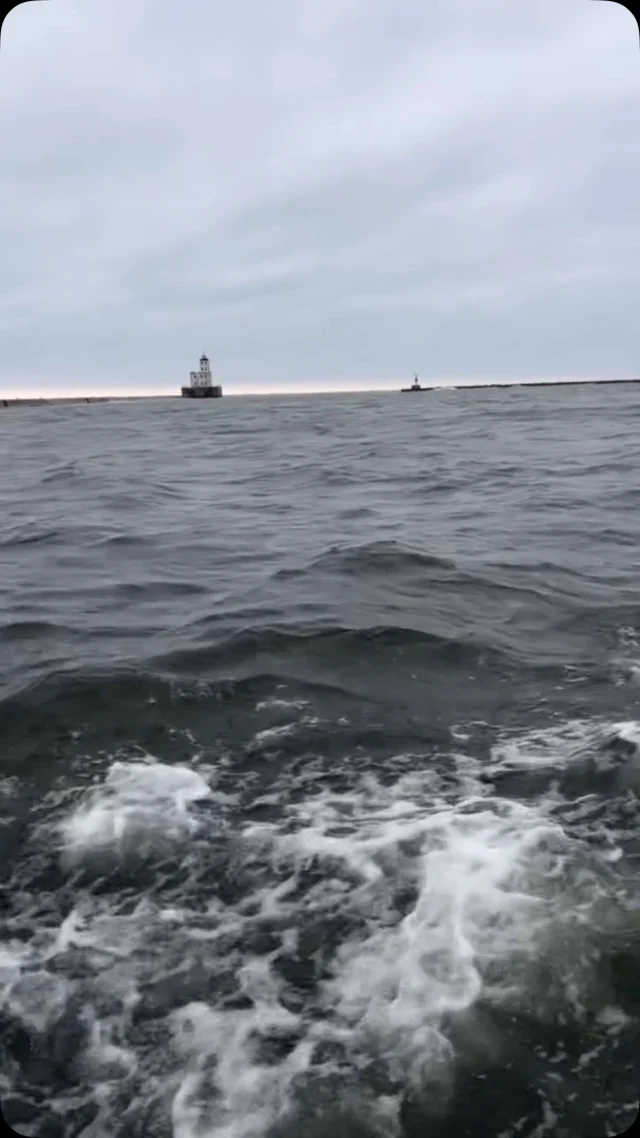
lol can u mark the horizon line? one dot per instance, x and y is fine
(244, 391)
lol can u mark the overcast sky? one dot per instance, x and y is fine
(320, 193)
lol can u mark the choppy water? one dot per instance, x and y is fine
(320, 758)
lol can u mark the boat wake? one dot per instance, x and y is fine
(374, 954)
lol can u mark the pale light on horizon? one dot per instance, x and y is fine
(330, 387)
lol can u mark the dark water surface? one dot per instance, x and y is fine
(320, 764)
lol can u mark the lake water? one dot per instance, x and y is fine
(320, 765)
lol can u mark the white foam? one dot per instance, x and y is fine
(275, 704)
(557, 747)
(103, 932)
(250, 1096)
(140, 807)
(629, 732)
(11, 956)
(502, 892)
(473, 868)
(446, 895)
(269, 738)
(104, 1058)
(37, 997)
(562, 746)
(157, 782)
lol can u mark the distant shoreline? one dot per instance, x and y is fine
(52, 401)
(550, 383)
(55, 400)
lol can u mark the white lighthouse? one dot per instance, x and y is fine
(201, 384)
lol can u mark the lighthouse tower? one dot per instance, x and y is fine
(202, 378)
(201, 384)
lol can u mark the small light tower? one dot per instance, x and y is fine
(416, 386)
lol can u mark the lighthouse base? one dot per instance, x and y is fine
(201, 392)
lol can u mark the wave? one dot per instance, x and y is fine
(62, 473)
(339, 644)
(16, 630)
(360, 601)
(380, 556)
(30, 534)
(403, 570)
(393, 664)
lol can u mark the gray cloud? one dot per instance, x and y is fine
(318, 191)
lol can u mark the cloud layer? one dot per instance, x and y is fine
(319, 192)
